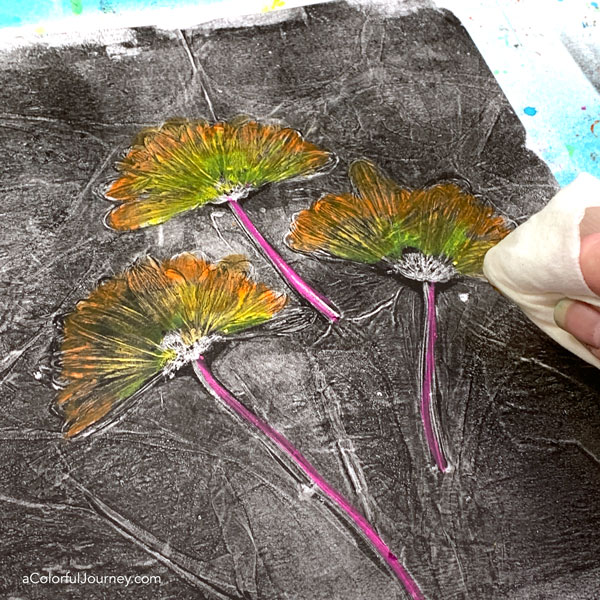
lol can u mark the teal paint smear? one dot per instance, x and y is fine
(542, 81)
(32, 12)
(27, 12)
(567, 134)
(572, 147)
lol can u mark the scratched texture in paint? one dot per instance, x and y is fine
(178, 488)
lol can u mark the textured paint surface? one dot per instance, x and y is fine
(181, 490)
(315, 478)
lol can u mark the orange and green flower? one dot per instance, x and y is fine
(183, 165)
(147, 323)
(429, 234)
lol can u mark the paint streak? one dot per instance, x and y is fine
(594, 126)
(428, 386)
(220, 393)
(294, 280)
(530, 111)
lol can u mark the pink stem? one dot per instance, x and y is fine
(220, 393)
(316, 300)
(428, 386)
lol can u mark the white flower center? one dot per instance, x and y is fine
(239, 192)
(423, 267)
(184, 353)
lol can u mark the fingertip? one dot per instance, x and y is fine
(580, 319)
(560, 312)
(589, 261)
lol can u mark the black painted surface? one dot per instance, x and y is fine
(518, 518)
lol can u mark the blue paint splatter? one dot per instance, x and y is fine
(594, 4)
(530, 110)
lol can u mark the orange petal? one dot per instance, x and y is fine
(136, 215)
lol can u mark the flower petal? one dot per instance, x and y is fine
(135, 215)
(381, 197)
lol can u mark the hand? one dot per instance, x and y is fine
(578, 318)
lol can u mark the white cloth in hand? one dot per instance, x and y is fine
(537, 264)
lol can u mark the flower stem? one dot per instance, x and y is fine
(316, 300)
(223, 395)
(428, 382)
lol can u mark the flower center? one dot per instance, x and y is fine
(425, 267)
(184, 352)
(238, 192)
